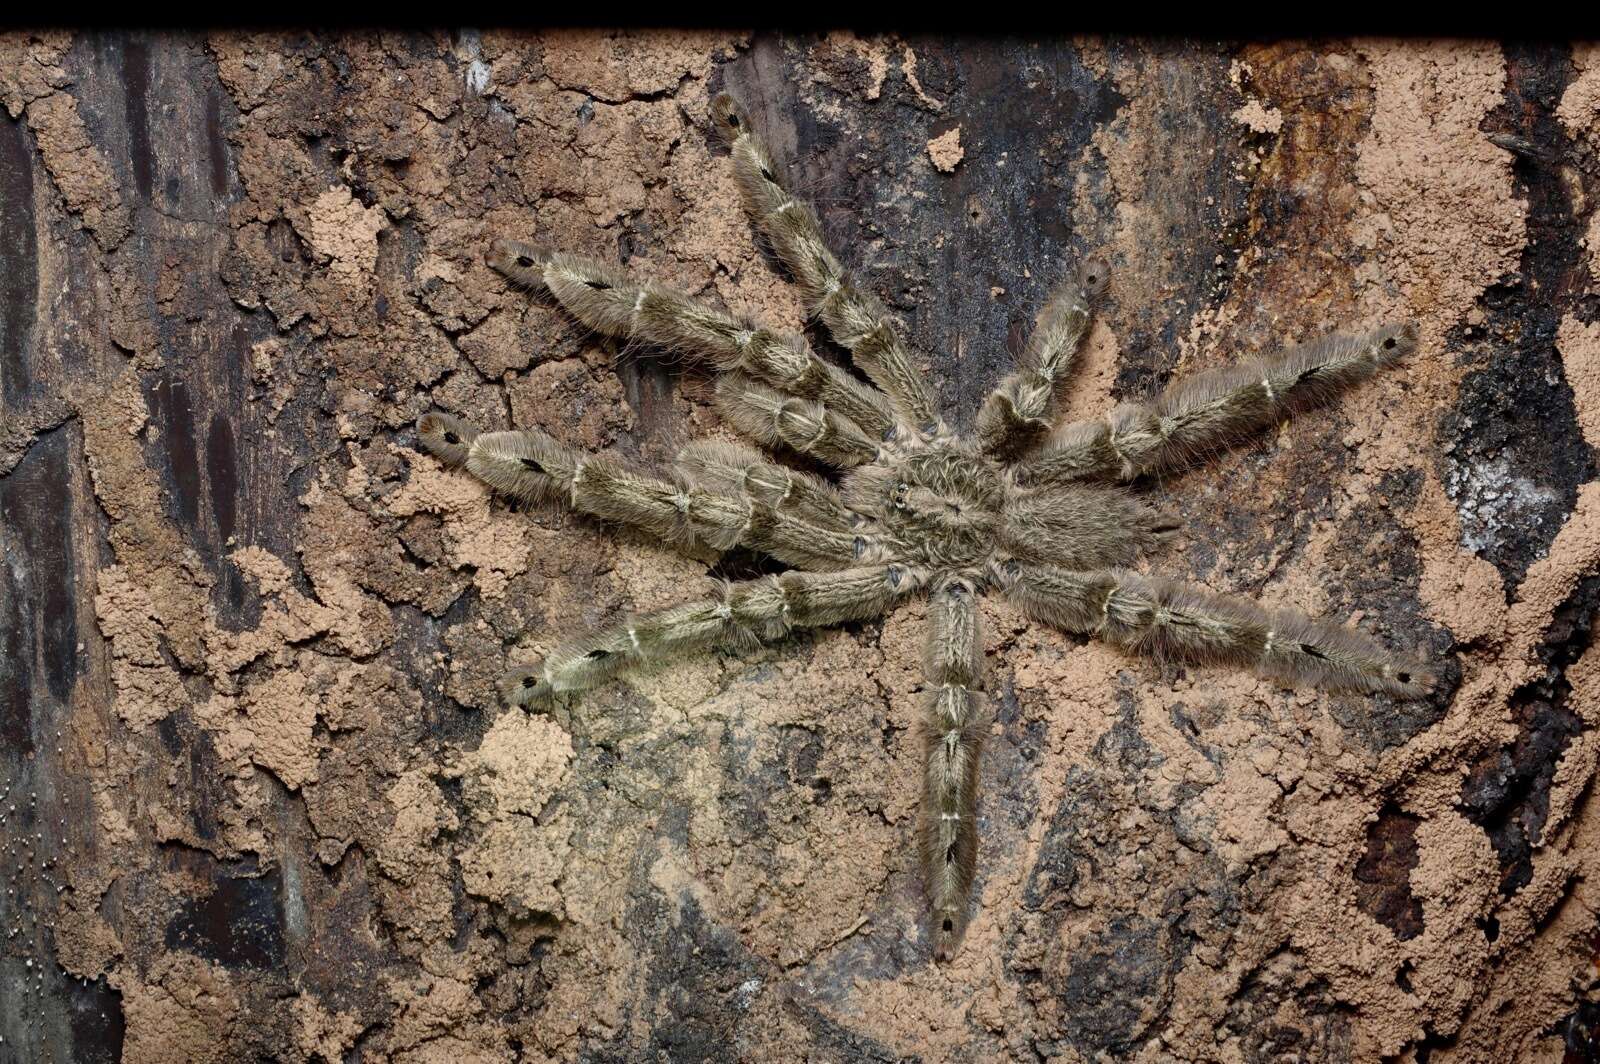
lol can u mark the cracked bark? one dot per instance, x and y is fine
(256, 798)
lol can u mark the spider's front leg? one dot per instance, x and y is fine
(1201, 415)
(740, 616)
(853, 315)
(953, 741)
(605, 299)
(1176, 621)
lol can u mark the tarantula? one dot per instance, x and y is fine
(1042, 514)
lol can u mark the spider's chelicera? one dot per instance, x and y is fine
(1040, 513)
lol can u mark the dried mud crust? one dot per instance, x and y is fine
(257, 798)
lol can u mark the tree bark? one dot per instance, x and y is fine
(258, 799)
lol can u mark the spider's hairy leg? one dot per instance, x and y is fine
(1081, 526)
(609, 302)
(529, 465)
(772, 418)
(1177, 621)
(953, 741)
(853, 315)
(740, 615)
(1201, 415)
(737, 469)
(1021, 410)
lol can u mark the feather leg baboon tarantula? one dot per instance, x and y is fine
(1042, 514)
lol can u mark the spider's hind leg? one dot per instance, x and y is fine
(1198, 416)
(1175, 621)
(953, 742)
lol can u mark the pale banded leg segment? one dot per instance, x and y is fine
(1021, 410)
(1176, 621)
(853, 315)
(734, 468)
(609, 302)
(1198, 416)
(771, 418)
(953, 740)
(739, 616)
(530, 465)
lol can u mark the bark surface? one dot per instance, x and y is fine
(258, 799)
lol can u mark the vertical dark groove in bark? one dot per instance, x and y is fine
(136, 83)
(173, 410)
(222, 474)
(216, 140)
(19, 252)
(42, 591)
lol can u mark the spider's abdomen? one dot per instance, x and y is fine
(1080, 526)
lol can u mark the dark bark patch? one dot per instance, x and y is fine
(238, 925)
(38, 590)
(95, 1018)
(1580, 1033)
(1383, 875)
(1515, 455)
(1507, 791)
(1113, 983)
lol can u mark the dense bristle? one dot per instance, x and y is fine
(524, 465)
(729, 117)
(522, 264)
(446, 437)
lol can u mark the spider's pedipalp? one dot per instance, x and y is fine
(1171, 620)
(853, 315)
(953, 731)
(742, 614)
(1201, 415)
(1021, 410)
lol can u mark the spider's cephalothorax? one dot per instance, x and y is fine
(940, 504)
(1042, 513)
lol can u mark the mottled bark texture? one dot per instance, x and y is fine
(258, 799)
